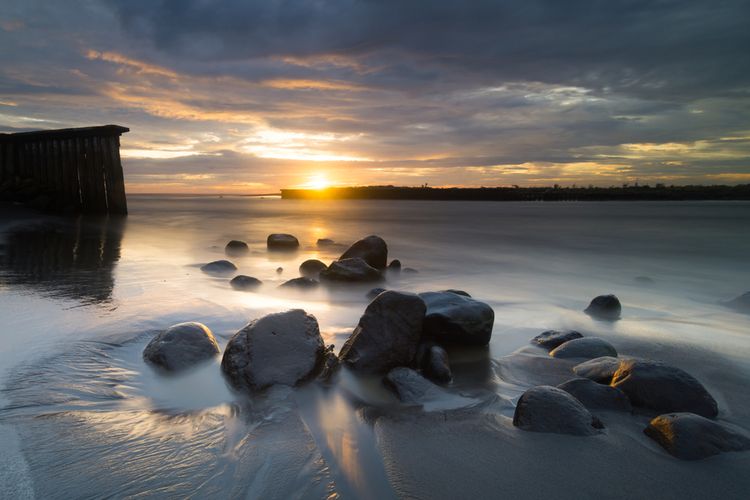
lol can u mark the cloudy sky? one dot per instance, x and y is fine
(245, 96)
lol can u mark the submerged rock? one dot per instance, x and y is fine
(395, 266)
(409, 270)
(375, 292)
(644, 280)
(553, 338)
(279, 270)
(301, 284)
(549, 409)
(453, 318)
(218, 267)
(688, 436)
(740, 304)
(371, 249)
(599, 370)
(181, 346)
(605, 307)
(435, 365)
(311, 268)
(282, 348)
(586, 347)
(280, 241)
(242, 282)
(325, 242)
(354, 270)
(411, 387)
(387, 335)
(596, 396)
(664, 388)
(236, 247)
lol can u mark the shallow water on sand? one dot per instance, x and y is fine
(81, 415)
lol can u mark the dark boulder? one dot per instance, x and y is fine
(411, 387)
(325, 242)
(600, 370)
(740, 304)
(282, 348)
(549, 409)
(311, 268)
(301, 284)
(457, 292)
(395, 266)
(596, 396)
(453, 318)
(606, 307)
(435, 365)
(218, 267)
(236, 247)
(387, 335)
(242, 282)
(354, 270)
(688, 436)
(375, 292)
(553, 338)
(663, 388)
(282, 242)
(586, 347)
(181, 346)
(371, 249)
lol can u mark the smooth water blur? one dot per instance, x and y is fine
(80, 298)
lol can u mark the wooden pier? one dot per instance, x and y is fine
(74, 170)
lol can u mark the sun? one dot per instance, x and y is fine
(318, 181)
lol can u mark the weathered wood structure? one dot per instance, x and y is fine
(69, 170)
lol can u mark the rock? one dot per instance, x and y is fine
(371, 249)
(587, 347)
(453, 318)
(553, 338)
(282, 242)
(740, 304)
(664, 388)
(395, 266)
(282, 348)
(218, 267)
(436, 366)
(301, 284)
(330, 364)
(353, 270)
(325, 242)
(236, 247)
(311, 268)
(457, 292)
(549, 409)
(242, 282)
(600, 370)
(596, 396)
(181, 346)
(411, 387)
(643, 280)
(375, 292)
(688, 436)
(605, 307)
(409, 270)
(279, 270)
(387, 334)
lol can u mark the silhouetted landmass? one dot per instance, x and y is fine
(658, 192)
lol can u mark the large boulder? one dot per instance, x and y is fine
(606, 307)
(664, 388)
(599, 370)
(245, 283)
(371, 249)
(586, 347)
(282, 348)
(279, 241)
(740, 304)
(549, 409)
(553, 338)
(300, 284)
(457, 319)
(596, 396)
(387, 335)
(236, 247)
(354, 270)
(218, 267)
(311, 268)
(688, 436)
(181, 346)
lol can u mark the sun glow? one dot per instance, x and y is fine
(318, 181)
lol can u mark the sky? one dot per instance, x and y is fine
(246, 96)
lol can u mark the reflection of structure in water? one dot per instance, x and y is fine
(69, 259)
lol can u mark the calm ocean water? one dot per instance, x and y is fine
(83, 416)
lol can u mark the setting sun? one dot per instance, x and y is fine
(318, 181)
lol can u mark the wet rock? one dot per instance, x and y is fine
(354, 270)
(600, 370)
(436, 365)
(331, 364)
(740, 304)
(606, 307)
(181, 346)
(279, 270)
(596, 396)
(375, 292)
(371, 249)
(280, 241)
(242, 282)
(325, 242)
(218, 267)
(549, 409)
(553, 338)
(664, 388)
(301, 284)
(395, 266)
(282, 348)
(453, 318)
(236, 247)
(311, 268)
(457, 292)
(411, 387)
(586, 347)
(688, 436)
(387, 335)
